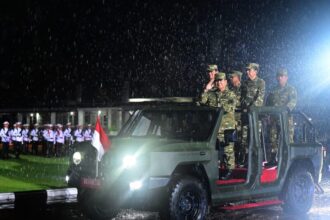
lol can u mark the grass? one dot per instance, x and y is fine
(32, 173)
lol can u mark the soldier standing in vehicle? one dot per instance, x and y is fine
(253, 89)
(226, 100)
(223, 98)
(252, 94)
(284, 95)
(235, 86)
(212, 70)
(208, 96)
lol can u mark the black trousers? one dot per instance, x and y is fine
(49, 150)
(5, 150)
(35, 145)
(18, 145)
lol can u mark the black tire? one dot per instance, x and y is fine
(94, 207)
(187, 200)
(299, 192)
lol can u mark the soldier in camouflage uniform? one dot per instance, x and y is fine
(225, 99)
(212, 69)
(252, 94)
(235, 86)
(208, 97)
(253, 89)
(283, 95)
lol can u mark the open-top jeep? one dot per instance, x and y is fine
(166, 158)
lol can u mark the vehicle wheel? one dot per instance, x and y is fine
(94, 207)
(299, 192)
(188, 200)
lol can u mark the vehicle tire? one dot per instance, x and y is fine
(94, 207)
(298, 194)
(187, 200)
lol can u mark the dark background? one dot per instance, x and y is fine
(73, 52)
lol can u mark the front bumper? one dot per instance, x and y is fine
(130, 193)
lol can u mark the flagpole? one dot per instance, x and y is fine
(97, 155)
(100, 141)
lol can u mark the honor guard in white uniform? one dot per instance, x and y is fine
(68, 139)
(78, 134)
(26, 138)
(5, 140)
(35, 137)
(50, 138)
(88, 133)
(18, 139)
(59, 140)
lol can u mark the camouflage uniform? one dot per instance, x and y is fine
(252, 94)
(237, 90)
(209, 98)
(227, 101)
(285, 96)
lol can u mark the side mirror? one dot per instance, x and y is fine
(230, 135)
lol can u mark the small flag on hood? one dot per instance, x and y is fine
(100, 140)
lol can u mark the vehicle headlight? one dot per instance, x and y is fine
(76, 158)
(129, 162)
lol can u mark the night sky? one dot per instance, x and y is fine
(53, 51)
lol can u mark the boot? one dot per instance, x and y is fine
(272, 162)
(228, 175)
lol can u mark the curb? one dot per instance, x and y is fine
(40, 197)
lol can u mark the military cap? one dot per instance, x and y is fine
(282, 72)
(59, 125)
(18, 123)
(220, 75)
(236, 73)
(6, 123)
(26, 125)
(36, 125)
(68, 124)
(212, 67)
(254, 66)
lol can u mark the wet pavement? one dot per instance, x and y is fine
(70, 211)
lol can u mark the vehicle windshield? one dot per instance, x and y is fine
(179, 124)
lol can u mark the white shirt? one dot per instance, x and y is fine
(5, 135)
(49, 135)
(17, 133)
(88, 134)
(59, 136)
(34, 134)
(79, 135)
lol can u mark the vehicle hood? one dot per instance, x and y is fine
(143, 145)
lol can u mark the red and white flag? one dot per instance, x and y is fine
(100, 140)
